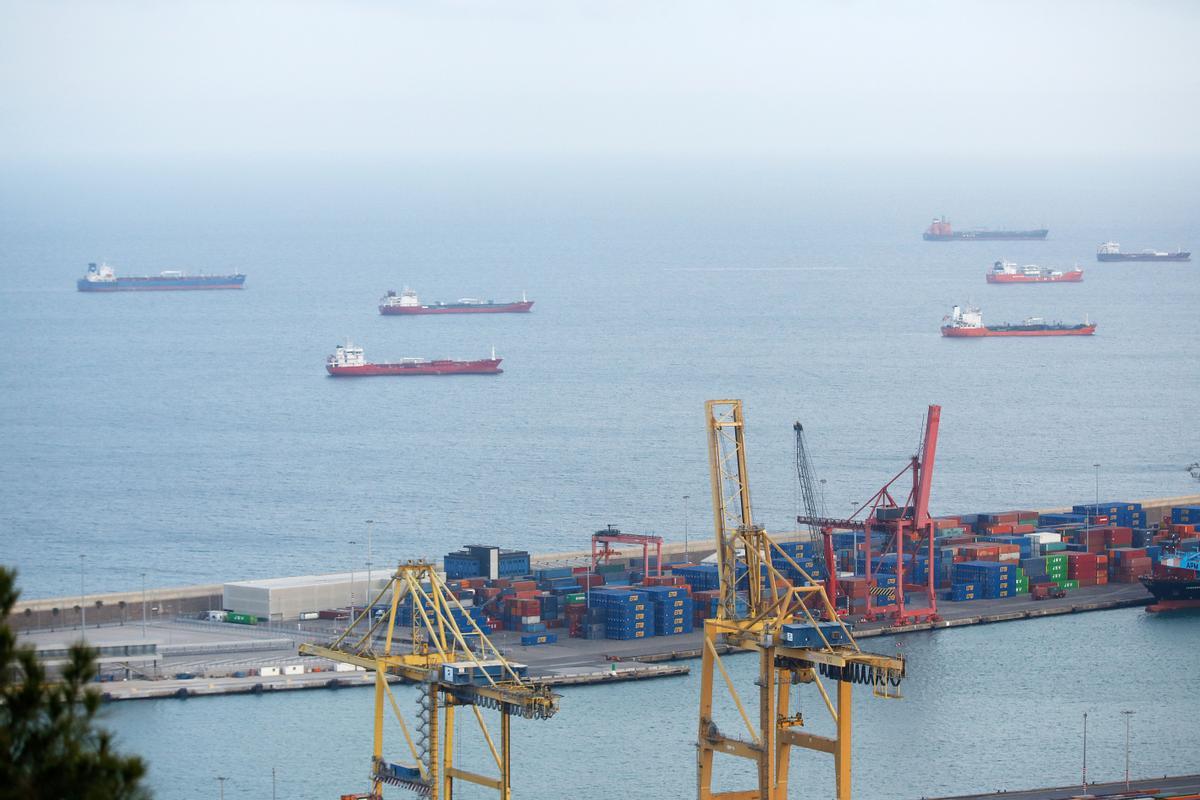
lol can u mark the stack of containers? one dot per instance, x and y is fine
(673, 609)
(856, 590)
(974, 580)
(627, 612)
(1127, 564)
(574, 613)
(1128, 515)
(1087, 569)
(701, 577)
(1056, 570)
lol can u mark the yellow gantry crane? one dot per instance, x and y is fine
(794, 629)
(452, 665)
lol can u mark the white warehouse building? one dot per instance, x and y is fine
(278, 599)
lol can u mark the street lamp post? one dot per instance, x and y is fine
(1085, 752)
(1127, 715)
(143, 605)
(221, 782)
(686, 552)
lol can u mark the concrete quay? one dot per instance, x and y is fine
(1183, 786)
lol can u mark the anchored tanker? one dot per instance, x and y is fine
(1008, 272)
(940, 231)
(1111, 251)
(969, 323)
(348, 361)
(408, 303)
(101, 278)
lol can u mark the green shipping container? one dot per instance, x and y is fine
(241, 619)
(576, 597)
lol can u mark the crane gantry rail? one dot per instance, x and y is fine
(452, 667)
(780, 622)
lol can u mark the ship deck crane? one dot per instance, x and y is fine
(901, 524)
(774, 611)
(453, 668)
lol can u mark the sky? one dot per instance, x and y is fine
(393, 79)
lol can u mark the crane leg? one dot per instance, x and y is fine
(448, 748)
(783, 749)
(506, 758)
(435, 755)
(766, 723)
(841, 756)
(704, 755)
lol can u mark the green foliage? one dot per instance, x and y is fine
(50, 746)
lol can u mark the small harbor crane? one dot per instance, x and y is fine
(453, 664)
(814, 507)
(760, 610)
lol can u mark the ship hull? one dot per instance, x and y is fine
(1182, 256)
(986, 236)
(485, 366)
(973, 333)
(1172, 594)
(152, 284)
(486, 308)
(1074, 276)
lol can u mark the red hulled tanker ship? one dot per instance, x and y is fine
(407, 302)
(969, 323)
(347, 361)
(1008, 272)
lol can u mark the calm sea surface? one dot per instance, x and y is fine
(196, 437)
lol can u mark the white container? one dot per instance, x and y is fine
(293, 669)
(269, 672)
(340, 667)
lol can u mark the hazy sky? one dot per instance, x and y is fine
(513, 78)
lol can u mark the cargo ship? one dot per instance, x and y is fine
(969, 322)
(1111, 251)
(347, 361)
(1008, 272)
(940, 231)
(1174, 582)
(407, 302)
(102, 278)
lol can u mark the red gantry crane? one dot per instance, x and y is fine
(602, 550)
(901, 524)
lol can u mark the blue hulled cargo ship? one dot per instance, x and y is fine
(101, 278)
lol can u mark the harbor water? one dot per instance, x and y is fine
(195, 437)
(985, 708)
